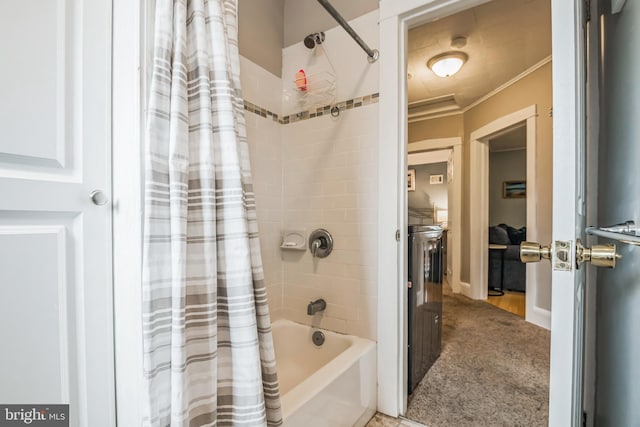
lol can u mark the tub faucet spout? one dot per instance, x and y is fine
(316, 306)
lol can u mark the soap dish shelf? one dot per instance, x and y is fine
(294, 240)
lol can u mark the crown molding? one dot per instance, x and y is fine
(422, 118)
(511, 82)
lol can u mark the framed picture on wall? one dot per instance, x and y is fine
(514, 189)
(411, 180)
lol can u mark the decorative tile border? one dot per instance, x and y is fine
(311, 114)
(262, 112)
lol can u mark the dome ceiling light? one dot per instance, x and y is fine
(447, 64)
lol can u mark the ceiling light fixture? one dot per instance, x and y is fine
(447, 64)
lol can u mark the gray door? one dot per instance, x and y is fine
(617, 392)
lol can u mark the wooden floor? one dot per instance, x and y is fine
(513, 302)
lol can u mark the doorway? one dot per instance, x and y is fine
(568, 70)
(470, 328)
(450, 152)
(479, 115)
(537, 276)
(507, 220)
(486, 99)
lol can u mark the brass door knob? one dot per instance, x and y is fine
(597, 255)
(534, 252)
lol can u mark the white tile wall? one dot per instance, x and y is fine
(319, 173)
(265, 148)
(330, 182)
(354, 75)
(259, 86)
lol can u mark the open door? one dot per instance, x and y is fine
(613, 394)
(580, 86)
(569, 204)
(569, 209)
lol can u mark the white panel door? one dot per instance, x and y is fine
(569, 212)
(55, 242)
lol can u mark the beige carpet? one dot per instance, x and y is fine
(493, 370)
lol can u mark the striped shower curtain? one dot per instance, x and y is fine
(208, 350)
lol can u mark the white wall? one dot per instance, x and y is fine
(259, 86)
(330, 181)
(319, 173)
(355, 77)
(265, 148)
(507, 166)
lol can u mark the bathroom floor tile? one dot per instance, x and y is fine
(381, 420)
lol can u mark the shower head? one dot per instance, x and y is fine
(309, 41)
(313, 39)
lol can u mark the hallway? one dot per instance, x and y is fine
(493, 370)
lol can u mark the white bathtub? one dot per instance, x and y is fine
(329, 386)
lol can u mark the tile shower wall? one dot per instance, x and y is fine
(313, 172)
(338, 54)
(265, 146)
(330, 181)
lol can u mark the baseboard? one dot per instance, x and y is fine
(455, 285)
(465, 289)
(406, 422)
(539, 317)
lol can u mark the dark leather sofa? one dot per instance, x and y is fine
(514, 270)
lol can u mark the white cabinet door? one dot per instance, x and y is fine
(55, 242)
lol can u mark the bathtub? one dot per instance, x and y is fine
(333, 385)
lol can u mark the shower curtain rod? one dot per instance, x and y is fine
(372, 55)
